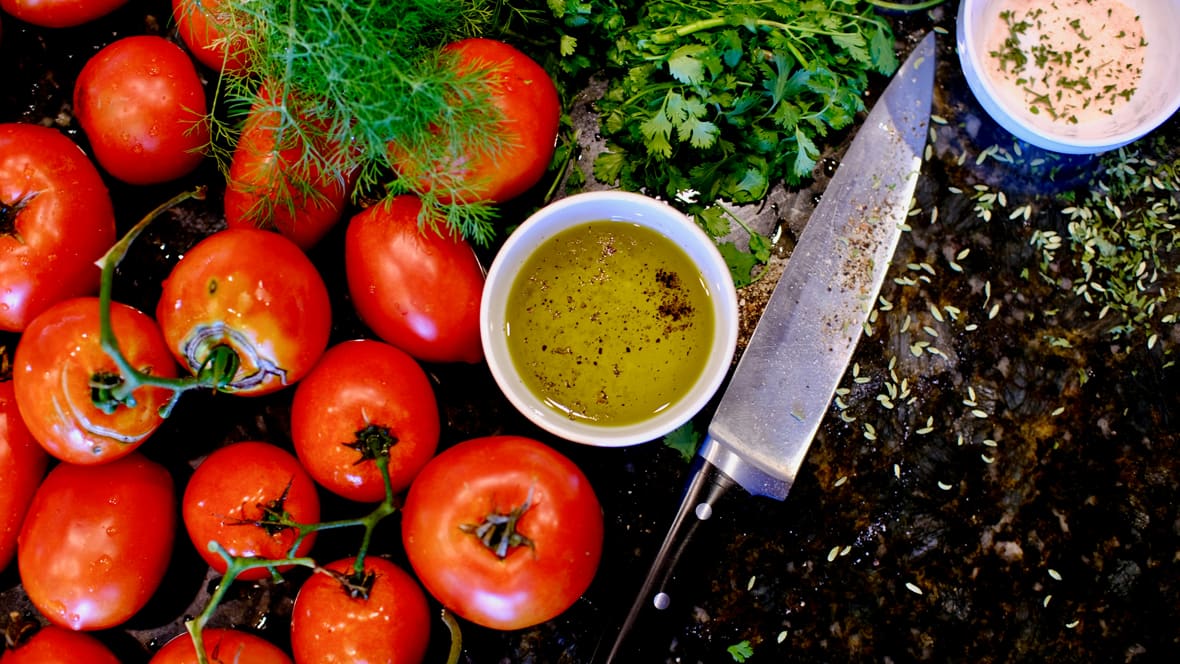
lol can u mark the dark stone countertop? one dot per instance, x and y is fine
(1017, 503)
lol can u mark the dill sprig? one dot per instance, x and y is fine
(348, 78)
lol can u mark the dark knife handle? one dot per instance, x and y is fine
(705, 486)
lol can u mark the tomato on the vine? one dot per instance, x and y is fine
(529, 114)
(56, 220)
(541, 544)
(364, 399)
(57, 365)
(141, 105)
(273, 184)
(59, 13)
(254, 292)
(415, 288)
(57, 645)
(222, 646)
(202, 25)
(22, 465)
(244, 496)
(97, 540)
(342, 617)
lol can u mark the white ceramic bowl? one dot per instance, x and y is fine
(1156, 98)
(624, 208)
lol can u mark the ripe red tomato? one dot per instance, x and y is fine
(141, 105)
(264, 190)
(22, 465)
(56, 220)
(364, 398)
(526, 100)
(222, 646)
(506, 582)
(255, 292)
(233, 495)
(416, 289)
(59, 13)
(331, 625)
(97, 540)
(57, 361)
(205, 25)
(57, 645)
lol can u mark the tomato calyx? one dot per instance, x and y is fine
(220, 366)
(275, 518)
(372, 442)
(8, 214)
(104, 386)
(498, 532)
(357, 583)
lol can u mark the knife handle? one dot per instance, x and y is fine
(706, 485)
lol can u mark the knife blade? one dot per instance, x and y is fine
(788, 373)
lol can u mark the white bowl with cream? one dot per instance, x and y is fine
(574, 347)
(1088, 84)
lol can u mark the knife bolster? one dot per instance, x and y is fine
(751, 478)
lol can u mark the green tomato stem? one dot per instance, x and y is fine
(456, 637)
(120, 391)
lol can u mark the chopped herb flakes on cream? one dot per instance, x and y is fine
(1067, 61)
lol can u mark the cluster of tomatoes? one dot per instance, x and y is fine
(500, 530)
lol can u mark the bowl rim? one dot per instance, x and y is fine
(546, 222)
(970, 59)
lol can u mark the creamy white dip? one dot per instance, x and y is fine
(1067, 62)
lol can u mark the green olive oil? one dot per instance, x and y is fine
(609, 322)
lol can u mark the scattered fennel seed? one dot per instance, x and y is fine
(933, 350)
(934, 216)
(994, 311)
(929, 428)
(846, 550)
(848, 419)
(987, 459)
(861, 380)
(945, 487)
(750, 583)
(971, 393)
(870, 432)
(953, 312)
(979, 413)
(968, 402)
(1046, 602)
(885, 401)
(990, 443)
(1057, 411)
(917, 348)
(840, 403)
(928, 268)
(960, 442)
(1054, 574)
(963, 254)
(897, 470)
(841, 481)
(905, 324)
(782, 636)
(955, 267)
(835, 551)
(954, 190)
(913, 588)
(1073, 623)
(940, 30)
(936, 313)
(929, 152)
(971, 327)
(930, 331)
(937, 119)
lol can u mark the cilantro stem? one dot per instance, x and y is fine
(905, 6)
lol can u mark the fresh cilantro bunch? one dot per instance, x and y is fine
(716, 101)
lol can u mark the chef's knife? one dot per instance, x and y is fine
(801, 347)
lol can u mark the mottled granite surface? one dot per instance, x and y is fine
(1010, 496)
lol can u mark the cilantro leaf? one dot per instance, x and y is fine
(740, 651)
(741, 263)
(684, 439)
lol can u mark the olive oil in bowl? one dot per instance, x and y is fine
(609, 322)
